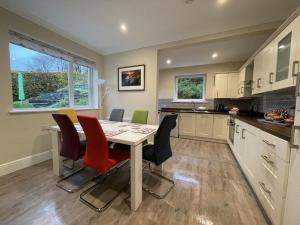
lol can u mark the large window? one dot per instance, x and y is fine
(190, 88)
(40, 80)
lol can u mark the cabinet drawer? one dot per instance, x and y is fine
(273, 172)
(276, 145)
(271, 201)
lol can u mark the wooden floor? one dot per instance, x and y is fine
(210, 190)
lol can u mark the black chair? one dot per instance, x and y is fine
(116, 115)
(160, 151)
(72, 147)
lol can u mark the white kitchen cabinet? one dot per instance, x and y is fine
(257, 73)
(221, 85)
(239, 142)
(276, 65)
(244, 82)
(220, 127)
(264, 160)
(204, 125)
(226, 85)
(232, 85)
(187, 122)
(251, 155)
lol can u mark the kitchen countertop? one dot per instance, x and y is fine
(190, 110)
(283, 132)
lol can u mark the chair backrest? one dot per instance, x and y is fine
(71, 114)
(96, 154)
(70, 139)
(140, 116)
(116, 115)
(162, 146)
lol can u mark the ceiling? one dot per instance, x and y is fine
(232, 50)
(96, 23)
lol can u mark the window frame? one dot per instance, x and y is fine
(198, 75)
(92, 96)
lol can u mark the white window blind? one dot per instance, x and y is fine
(36, 45)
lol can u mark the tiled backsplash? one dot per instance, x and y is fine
(262, 103)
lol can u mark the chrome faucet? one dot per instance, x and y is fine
(194, 109)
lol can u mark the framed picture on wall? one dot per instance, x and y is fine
(131, 78)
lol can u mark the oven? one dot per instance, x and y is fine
(231, 130)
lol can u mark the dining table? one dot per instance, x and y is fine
(117, 132)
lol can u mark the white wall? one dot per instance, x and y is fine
(133, 100)
(166, 82)
(21, 135)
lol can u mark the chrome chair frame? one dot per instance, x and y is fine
(107, 204)
(151, 192)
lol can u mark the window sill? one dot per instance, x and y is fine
(22, 111)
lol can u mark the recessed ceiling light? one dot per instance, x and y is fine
(169, 61)
(123, 27)
(222, 2)
(215, 55)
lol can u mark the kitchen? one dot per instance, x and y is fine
(252, 106)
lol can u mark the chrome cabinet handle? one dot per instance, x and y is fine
(292, 143)
(267, 159)
(271, 78)
(236, 129)
(265, 189)
(243, 137)
(258, 83)
(297, 93)
(295, 72)
(268, 143)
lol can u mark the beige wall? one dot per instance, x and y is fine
(133, 100)
(166, 82)
(21, 134)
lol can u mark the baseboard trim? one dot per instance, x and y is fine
(22, 163)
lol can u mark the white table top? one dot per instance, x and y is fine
(121, 132)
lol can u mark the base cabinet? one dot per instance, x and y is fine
(220, 127)
(264, 161)
(187, 124)
(204, 123)
(201, 125)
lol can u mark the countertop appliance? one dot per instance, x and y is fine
(175, 130)
(220, 107)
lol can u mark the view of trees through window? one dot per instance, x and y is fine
(190, 88)
(41, 81)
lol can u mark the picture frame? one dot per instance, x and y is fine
(131, 78)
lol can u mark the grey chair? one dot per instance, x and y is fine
(116, 115)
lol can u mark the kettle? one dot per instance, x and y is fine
(220, 107)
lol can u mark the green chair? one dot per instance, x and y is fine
(140, 116)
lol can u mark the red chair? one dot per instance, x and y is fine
(98, 156)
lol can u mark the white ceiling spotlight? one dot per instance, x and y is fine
(215, 55)
(169, 61)
(222, 2)
(123, 27)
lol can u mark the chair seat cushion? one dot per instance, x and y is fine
(148, 153)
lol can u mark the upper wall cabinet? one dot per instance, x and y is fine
(226, 85)
(276, 65)
(244, 84)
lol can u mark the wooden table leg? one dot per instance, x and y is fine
(56, 158)
(136, 176)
